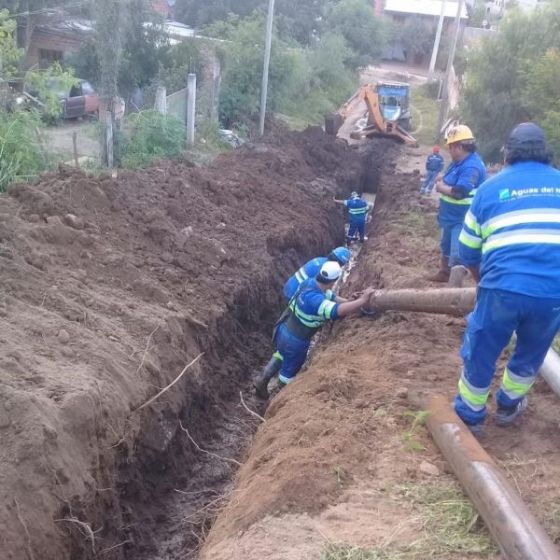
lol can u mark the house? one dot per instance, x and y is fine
(54, 39)
(400, 12)
(165, 8)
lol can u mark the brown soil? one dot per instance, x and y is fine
(330, 462)
(109, 288)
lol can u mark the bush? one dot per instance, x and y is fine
(149, 136)
(22, 156)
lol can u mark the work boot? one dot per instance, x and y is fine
(442, 275)
(457, 276)
(270, 370)
(506, 416)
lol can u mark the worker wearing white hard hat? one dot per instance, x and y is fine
(313, 304)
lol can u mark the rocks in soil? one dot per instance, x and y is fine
(429, 469)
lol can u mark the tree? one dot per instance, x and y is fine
(500, 90)
(417, 38)
(355, 20)
(10, 55)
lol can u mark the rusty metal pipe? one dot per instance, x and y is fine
(514, 528)
(451, 301)
(448, 301)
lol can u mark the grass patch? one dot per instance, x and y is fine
(425, 111)
(447, 523)
(409, 436)
(414, 224)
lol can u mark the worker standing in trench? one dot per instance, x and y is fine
(457, 186)
(310, 269)
(312, 305)
(511, 243)
(358, 210)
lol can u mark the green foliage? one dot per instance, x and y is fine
(150, 136)
(10, 55)
(355, 20)
(47, 84)
(478, 14)
(417, 37)
(500, 90)
(302, 82)
(21, 152)
(145, 50)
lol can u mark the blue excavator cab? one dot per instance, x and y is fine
(394, 102)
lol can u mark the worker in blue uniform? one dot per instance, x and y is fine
(434, 164)
(358, 209)
(457, 187)
(312, 305)
(511, 243)
(311, 268)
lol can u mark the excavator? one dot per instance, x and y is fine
(386, 108)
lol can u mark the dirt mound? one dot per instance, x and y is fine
(340, 463)
(110, 286)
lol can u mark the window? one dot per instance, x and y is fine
(48, 57)
(76, 91)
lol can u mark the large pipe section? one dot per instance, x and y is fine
(451, 301)
(514, 528)
(448, 301)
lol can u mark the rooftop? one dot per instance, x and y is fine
(424, 8)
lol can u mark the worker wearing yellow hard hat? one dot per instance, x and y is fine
(456, 187)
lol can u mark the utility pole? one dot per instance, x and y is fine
(445, 96)
(437, 40)
(266, 65)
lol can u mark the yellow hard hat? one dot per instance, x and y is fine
(459, 133)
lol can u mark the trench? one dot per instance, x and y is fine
(171, 484)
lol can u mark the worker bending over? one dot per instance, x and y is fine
(465, 173)
(358, 210)
(434, 164)
(313, 304)
(511, 243)
(311, 268)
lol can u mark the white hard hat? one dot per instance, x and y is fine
(330, 272)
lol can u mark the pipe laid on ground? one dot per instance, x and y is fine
(515, 529)
(449, 301)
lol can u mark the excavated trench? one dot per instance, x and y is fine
(184, 462)
(170, 499)
(110, 287)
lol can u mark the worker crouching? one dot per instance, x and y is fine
(511, 243)
(313, 304)
(457, 187)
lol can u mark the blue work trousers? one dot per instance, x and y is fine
(293, 351)
(356, 227)
(496, 316)
(449, 243)
(429, 182)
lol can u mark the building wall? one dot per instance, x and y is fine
(49, 47)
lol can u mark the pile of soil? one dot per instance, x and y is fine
(109, 288)
(337, 458)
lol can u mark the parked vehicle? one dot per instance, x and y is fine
(79, 101)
